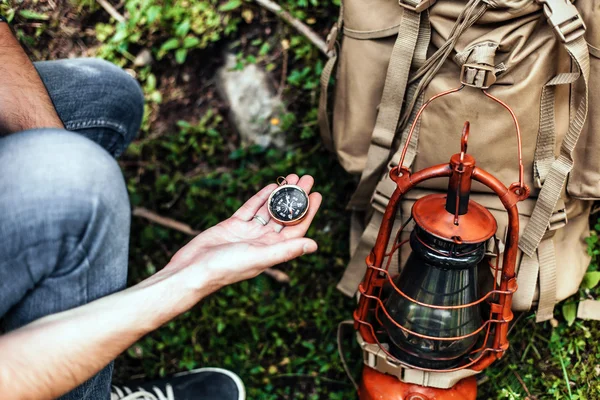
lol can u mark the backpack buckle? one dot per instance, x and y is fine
(558, 219)
(479, 76)
(417, 6)
(383, 193)
(564, 18)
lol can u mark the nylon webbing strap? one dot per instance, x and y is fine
(527, 279)
(355, 271)
(442, 380)
(369, 35)
(390, 106)
(547, 258)
(544, 149)
(323, 117)
(557, 176)
(589, 309)
(323, 114)
(374, 357)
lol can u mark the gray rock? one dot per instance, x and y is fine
(255, 109)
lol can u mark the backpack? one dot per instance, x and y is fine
(541, 57)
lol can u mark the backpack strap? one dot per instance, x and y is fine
(375, 357)
(547, 257)
(556, 178)
(356, 268)
(391, 102)
(323, 115)
(546, 139)
(551, 174)
(589, 309)
(527, 278)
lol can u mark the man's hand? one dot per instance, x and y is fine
(24, 100)
(240, 247)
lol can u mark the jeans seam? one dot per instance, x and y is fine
(97, 123)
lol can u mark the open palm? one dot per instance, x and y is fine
(241, 247)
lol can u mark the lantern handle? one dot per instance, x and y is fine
(464, 139)
(521, 184)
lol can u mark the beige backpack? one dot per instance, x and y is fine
(541, 57)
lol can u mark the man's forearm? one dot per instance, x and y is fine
(24, 100)
(53, 355)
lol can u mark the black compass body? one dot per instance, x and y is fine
(288, 204)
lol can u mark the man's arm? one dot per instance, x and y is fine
(24, 100)
(55, 354)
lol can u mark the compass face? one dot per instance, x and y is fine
(288, 203)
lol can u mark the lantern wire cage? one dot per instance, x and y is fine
(489, 338)
(382, 277)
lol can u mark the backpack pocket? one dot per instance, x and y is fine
(370, 28)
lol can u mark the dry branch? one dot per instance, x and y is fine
(170, 223)
(111, 10)
(301, 27)
(164, 221)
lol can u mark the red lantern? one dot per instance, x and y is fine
(432, 318)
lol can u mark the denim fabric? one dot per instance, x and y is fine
(64, 205)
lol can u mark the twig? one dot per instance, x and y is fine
(285, 45)
(278, 275)
(111, 10)
(529, 396)
(164, 221)
(170, 223)
(301, 27)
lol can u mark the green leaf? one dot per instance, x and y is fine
(230, 5)
(591, 280)
(569, 311)
(183, 28)
(264, 49)
(153, 13)
(190, 41)
(180, 56)
(170, 44)
(29, 14)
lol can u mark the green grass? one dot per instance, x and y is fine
(188, 164)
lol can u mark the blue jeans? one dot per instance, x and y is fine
(64, 205)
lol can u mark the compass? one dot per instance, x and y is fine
(288, 204)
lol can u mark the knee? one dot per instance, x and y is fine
(122, 94)
(110, 97)
(59, 184)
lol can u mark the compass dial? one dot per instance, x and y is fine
(288, 204)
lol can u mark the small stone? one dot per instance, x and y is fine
(254, 108)
(143, 58)
(554, 323)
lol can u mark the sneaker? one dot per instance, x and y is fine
(198, 384)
